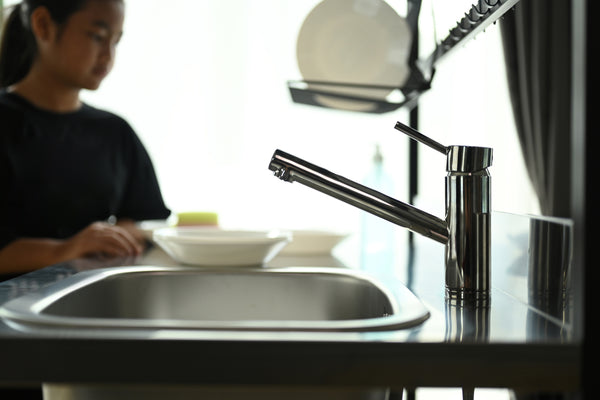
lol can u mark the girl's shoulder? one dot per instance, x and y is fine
(13, 104)
(11, 112)
(9, 102)
(103, 117)
(108, 124)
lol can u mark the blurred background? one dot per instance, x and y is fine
(203, 83)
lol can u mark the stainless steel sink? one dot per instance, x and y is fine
(153, 297)
(141, 299)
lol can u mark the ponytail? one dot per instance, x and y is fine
(17, 47)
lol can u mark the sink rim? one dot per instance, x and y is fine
(27, 311)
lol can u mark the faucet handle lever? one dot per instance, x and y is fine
(419, 137)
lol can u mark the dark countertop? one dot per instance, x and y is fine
(525, 339)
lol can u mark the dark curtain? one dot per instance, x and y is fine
(536, 37)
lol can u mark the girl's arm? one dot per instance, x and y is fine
(27, 254)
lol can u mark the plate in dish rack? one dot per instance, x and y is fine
(361, 42)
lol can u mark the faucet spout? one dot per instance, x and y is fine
(293, 169)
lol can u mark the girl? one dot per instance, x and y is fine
(74, 178)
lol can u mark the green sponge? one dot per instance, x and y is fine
(197, 218)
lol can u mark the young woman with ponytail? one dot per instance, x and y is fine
(74, 178)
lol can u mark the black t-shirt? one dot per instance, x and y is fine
(59, 172)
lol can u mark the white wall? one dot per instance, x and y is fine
(204, 84)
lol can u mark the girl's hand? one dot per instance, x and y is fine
(105, 239)
(100, 238)
(130, 226)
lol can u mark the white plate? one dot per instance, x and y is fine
(313, 242)
(220, 247)
(361, 42)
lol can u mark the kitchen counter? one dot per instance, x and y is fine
(524, 340)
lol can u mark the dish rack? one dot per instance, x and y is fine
(476, 19)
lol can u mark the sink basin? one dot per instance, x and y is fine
(154, 297)
(161, 299)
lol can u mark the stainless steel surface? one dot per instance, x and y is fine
(150, 297)
(549, 276)
(465, 324)
(465, 231)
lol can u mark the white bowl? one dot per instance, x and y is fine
(220, 247)
(313, 242)
(149, 226)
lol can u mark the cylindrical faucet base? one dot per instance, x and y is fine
(468, 248)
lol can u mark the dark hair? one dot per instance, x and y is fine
(18, 47)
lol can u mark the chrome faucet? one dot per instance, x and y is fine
(466, 230)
